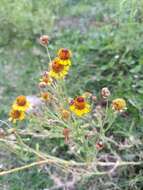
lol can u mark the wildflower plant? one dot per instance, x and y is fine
(72, 133)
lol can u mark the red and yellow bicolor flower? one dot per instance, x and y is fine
(58, 70)
(79, 106)
(21, 103)
(64, 56)
(16, 115)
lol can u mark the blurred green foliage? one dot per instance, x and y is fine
(105, 36)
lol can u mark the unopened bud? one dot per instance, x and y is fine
(94, 98)
(42, 84)
(99, 145)
(66, 132)
(105, 92)
(44, 40)
(65, 114)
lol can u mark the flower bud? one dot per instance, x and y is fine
(94, 98)
(44, 40)
(2, 133)
(65, 114)
(105, 92)
(42, 84)
(45, 74)
(64, 53)
(66, 132)
(99, 145)
(46, 96)
(119, 104)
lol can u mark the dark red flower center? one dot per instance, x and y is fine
(16, 114)
(21, 100)
(80, 99)
(57, 67)
(64, 54)
(79, 103)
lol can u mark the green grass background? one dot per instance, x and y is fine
(106, 38)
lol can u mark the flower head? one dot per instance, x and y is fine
(46, 96)
(99, 145)
(16, 115)
(2, 133)
(64, 56)
(119, 104)
(42, 84)
(46, 78)
(44, 40)
(64, 53)
(58, 70)
(105, 92)
(94, 98)
(65, 114)
(21, 103)
(66, 132)
(79, 106)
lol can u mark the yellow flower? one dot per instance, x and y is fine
(16, 115)
(58, 71)
(119, 104)
(46, 78)
(21, 103)
(46, 96)
(64, 54)
(65, 62)
(79, 106)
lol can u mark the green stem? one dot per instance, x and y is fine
(48, 53)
